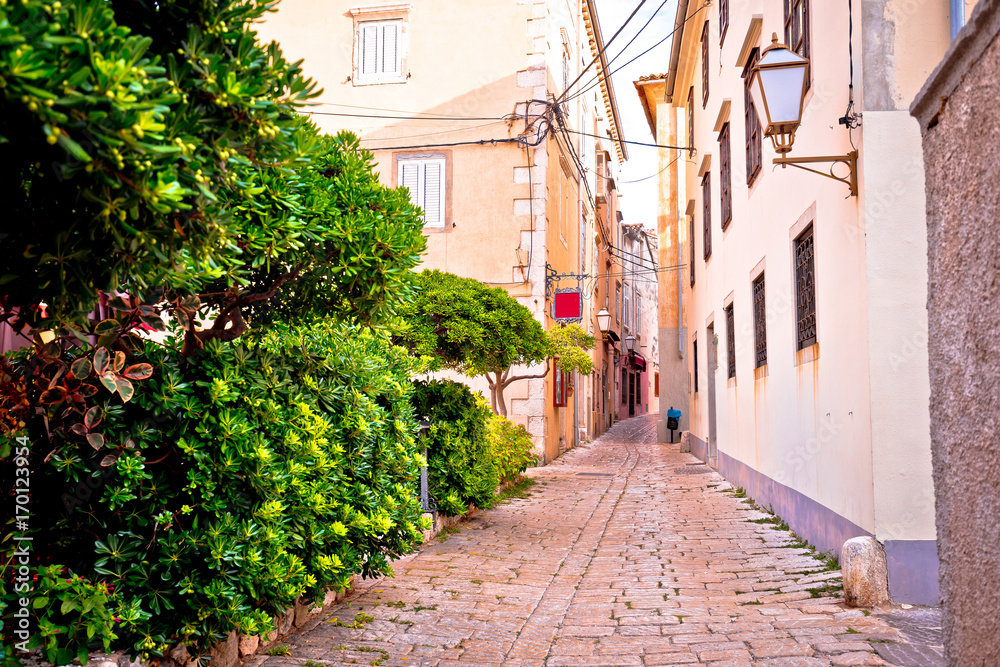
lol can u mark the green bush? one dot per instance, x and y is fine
(460, 465)
(511, 447)
(235, 480)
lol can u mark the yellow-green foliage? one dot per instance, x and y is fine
(235, 481)
(511, 447)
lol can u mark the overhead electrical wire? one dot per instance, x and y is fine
(601, 52)
(592, 83)
(400, 111)
(429, 134)
(364, 115)
(626, 141)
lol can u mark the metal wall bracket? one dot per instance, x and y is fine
(851, 160)
(552, 277)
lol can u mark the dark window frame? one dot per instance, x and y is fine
(730, 342)
(706, 214)
(723, 21)
(704, 66)
(690, 120)
(797, 30)
(758, 291)
(725, 176)
(805, 289)
(753, 134)
(691, 234)
(694, 360)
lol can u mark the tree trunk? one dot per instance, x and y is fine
(498, 400)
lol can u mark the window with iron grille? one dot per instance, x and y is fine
(691, 256)
(706, 214)
(759, 323)
(725, 176)
(730, 343)
(723, 20)
(691, 121)
(797, 28)
(704, 65)
(624, 386)
(805, 289)
(752, 121)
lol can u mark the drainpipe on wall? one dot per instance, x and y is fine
(957, 16)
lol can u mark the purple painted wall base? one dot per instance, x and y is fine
(913, 571)
(698, 447)
(821, 526)
(913, 565)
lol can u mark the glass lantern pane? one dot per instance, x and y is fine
(783, 88)
(758, 100)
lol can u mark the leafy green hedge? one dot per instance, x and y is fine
(232, 483)
(470, 451)
(460, 467)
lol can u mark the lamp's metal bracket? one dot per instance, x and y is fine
(552, 277)
(851, 160)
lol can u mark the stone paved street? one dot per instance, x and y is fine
(626, 553)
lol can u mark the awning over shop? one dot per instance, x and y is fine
(639, 361)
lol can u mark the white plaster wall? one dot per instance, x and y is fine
(807, 425)
(895, 228)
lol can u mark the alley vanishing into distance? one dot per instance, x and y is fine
(626, 553)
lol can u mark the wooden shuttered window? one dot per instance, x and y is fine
(797, 28)
(723, 20)
(425, 179)
(752, 122)
(725, 176)
(704, 65)
(690, 120)
(379, 54)
(691, 253)
(706, 213)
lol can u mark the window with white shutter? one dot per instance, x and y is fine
(378, 49)
(380, 35)
(425, 179)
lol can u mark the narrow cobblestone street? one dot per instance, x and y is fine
(626, 553)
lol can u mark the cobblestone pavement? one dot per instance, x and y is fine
(626, 553)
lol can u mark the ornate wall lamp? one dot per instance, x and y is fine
(778, 86)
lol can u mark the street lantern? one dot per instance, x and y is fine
(604, 320)
(630, 343)
(778, 87)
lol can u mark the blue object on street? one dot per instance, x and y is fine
(676, 414)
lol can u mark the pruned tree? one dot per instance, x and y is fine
(464, 325)
(155, 150)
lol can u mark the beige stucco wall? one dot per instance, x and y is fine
(477, 64)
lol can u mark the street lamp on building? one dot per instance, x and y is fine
(604, 322)
(778, 85)
(630, 343)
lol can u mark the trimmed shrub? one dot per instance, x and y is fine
(234, 482)
(460, 464)
(511, 447)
